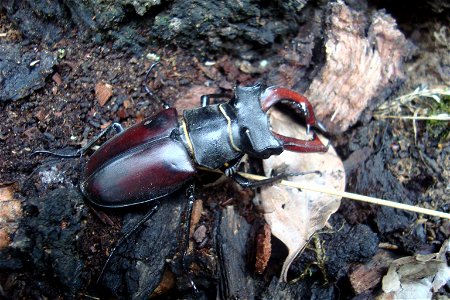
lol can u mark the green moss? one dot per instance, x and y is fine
(440, 130)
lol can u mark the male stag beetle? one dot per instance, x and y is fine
(156, 157)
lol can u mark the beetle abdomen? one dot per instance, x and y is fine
(154, 171)
(143, 163)
(159, 126)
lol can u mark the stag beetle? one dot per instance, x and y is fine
(158, 156)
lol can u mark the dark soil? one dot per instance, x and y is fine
(62, 242)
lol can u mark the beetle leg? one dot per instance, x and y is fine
(231, 172)
(153, 95)
(126, 235)
(205, 100)
(116, 126)
(187, 229)
(246, 183)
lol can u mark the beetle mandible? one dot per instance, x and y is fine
(158, 156)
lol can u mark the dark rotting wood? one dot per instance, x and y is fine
(236, 281)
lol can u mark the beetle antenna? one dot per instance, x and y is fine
(153, 95)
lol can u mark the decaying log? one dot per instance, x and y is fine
(344, 60)
(23, 72)
(235, 280)
(359, 68)
(46, 244)
(138, 266)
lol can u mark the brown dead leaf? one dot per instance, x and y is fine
(191, 98)
(103, 92)
(295, 215)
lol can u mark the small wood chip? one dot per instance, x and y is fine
(200, 234)
(365, 277)
(263, 249)
(4, 239)
(103, 92)
(167, 283)
(57, 79)
(10, 213)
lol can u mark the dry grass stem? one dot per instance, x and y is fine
(357, 197)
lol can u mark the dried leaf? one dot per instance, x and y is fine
(295, 215)
(191, 97)
(103, 91)
(417, 277)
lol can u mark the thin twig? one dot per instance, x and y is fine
(442, 117)
(353, 196)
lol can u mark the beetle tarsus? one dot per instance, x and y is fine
(116, 126)
(320, 126)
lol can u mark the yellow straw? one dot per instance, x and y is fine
(353, 196)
